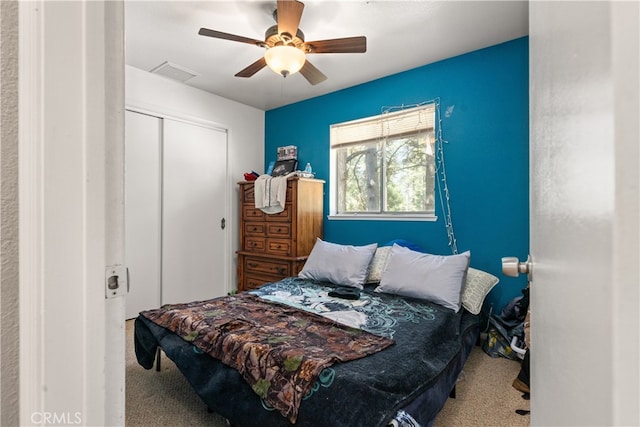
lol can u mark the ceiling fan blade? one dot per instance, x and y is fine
(312, 74)
(344, 45)
(253, 68)
(226, 36)
(289, 13)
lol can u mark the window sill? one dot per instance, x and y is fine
(382, 217)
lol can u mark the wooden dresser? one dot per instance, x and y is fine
(275, 246)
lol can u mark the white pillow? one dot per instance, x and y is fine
(378, 264)
(435, 278)
(478, 285)
(344, 265)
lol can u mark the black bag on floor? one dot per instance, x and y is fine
(503, 328)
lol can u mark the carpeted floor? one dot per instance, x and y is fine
(484, 395)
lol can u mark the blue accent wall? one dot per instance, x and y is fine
(484, 99)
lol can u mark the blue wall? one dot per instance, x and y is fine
(487, 155)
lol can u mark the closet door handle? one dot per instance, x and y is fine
(223, 223)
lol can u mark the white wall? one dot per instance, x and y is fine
(245, 127)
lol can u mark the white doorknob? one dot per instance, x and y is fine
(512, 267)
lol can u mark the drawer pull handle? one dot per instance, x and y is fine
(282, 270)
(255, 228)
(253, 264)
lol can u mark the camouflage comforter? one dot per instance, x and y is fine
(416, 373)
(279, 350)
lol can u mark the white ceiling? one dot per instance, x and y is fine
(400, 35)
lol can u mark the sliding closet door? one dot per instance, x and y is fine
(194, 199)
(142, 211)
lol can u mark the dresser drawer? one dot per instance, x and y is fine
(254, 244)
(284, 216)
(248, 193)
(255, 271)
(255, 228)
(268, 266)
(277, 229)
(278, 247)
(252, 281)
(250, 213)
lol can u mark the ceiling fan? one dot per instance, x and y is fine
(286, 47)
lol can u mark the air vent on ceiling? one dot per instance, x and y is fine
(175, 72)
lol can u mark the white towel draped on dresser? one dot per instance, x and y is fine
(270, 193)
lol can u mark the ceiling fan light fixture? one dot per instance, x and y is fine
(285, 60)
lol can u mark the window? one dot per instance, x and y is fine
(384, 166)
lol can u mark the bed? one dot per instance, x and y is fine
(391, 358)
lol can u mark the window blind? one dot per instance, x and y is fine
(385, 125)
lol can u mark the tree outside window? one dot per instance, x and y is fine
(385, 165)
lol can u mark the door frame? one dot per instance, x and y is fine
(71, 141)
